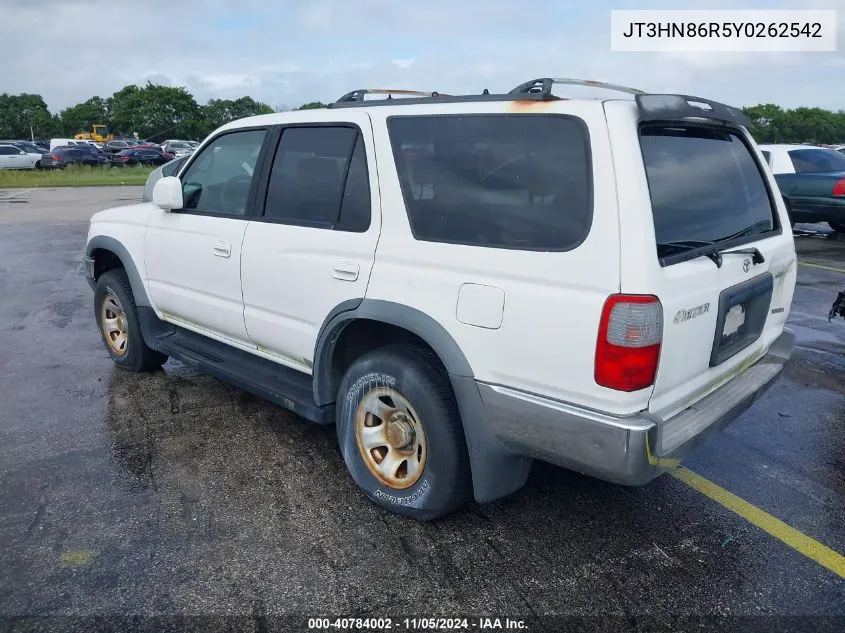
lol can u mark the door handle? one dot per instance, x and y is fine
(345, 271)
(222, 249)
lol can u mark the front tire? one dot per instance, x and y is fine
(120, 328)
(401, 435)
(839, 227)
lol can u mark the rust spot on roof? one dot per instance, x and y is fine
(530, 105)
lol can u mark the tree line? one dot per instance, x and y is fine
(154, 112)
(157, 112)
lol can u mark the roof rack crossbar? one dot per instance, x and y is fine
(544, 86)
(358, 95)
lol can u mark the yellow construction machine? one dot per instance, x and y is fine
(99, 133)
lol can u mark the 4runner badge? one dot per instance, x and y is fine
(686, 315)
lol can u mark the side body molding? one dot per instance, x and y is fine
(110, 244)
(496, 471)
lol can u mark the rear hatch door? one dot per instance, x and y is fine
(714, 245)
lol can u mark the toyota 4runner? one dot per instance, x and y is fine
(464, 284)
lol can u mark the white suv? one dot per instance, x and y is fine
(464, 284)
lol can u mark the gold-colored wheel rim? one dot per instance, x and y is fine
(113, 324)
(391, 438)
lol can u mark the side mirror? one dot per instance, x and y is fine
(167, 193)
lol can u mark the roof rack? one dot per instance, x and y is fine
(544, 86)
(358, 95)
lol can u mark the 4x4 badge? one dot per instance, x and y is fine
(746, 265)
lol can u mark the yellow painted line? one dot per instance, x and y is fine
(811, 548)
(822, 266)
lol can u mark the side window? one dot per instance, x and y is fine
(220, 177)
(767, 156)
(171, 168)
(355, 208)
(319, 178)
(7, 151)
(496, 181)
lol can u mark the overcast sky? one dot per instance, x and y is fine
(287, 52)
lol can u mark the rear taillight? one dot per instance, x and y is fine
(628, 347)
(839, 188)
(56, 157)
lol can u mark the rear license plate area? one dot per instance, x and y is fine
(743, 310)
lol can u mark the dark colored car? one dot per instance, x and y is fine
(816, 192)
(113, 147)
(95, 151)
(138, 157)
(30, 147)
(66, 155)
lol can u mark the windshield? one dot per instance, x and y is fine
(816, 160)
(704, 183)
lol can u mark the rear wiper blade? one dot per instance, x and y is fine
(746, 231)
(689, 245)
(715, 254)
(685, 244)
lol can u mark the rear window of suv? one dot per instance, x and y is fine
(705, 185)
(497, 181)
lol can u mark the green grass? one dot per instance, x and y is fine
(74, 176)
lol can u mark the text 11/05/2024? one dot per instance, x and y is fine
(418, 624)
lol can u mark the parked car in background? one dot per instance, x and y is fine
(61, 157)
(113, 147)
(143, 156)
(28, 146)
(12, 157)
(168, 169)
(94, 151)
(62, 142)
(178, 148)
(811, 181)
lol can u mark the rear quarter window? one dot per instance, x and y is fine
(497, 181)
(704, 183)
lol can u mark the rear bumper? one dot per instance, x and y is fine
(628, 450)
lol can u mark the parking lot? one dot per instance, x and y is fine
(174, 494)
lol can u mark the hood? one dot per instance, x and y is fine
(131, 213)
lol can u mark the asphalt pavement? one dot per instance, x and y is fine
(172, 494)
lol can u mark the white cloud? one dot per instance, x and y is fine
(306, 50)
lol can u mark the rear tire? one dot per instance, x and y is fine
(411, 458)
(839, 227)
(120, 328)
